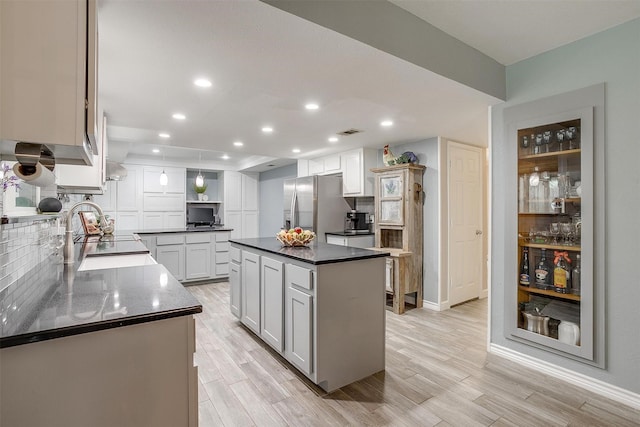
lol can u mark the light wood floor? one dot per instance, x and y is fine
(438, 373)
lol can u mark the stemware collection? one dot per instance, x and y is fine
(564, 139)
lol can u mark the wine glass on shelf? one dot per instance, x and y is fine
(554, 230)
(566, 229)
(524, 143)
(546, 138)
(560, 138)
(572, 135)
(538, 142)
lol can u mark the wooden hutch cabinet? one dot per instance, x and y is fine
(398, 213)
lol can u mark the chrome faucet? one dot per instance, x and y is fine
(68, 245)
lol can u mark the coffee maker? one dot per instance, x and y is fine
(356, 222)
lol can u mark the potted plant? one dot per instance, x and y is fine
(200, 190)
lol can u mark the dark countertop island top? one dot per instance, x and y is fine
(316, 253)
(185, 230)
(57, 300)
(350, 233)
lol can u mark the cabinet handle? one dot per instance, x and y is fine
(478, 232)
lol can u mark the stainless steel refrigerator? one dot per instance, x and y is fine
(315, 203)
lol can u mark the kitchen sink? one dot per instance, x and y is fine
(115, 261)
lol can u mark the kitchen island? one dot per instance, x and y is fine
(105, 347)
(321, 307)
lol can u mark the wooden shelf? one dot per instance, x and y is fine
(204, 201)
(562, 153)
(555, 294)
(552, 246)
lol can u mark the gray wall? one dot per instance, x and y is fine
(427, 153)
(272, 198)
(613, 57)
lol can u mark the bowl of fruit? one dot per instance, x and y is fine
(295, 237)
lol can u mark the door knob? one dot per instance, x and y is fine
(478, 232)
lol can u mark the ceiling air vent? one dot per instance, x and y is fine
(349, 132)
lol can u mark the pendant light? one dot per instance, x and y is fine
(199, 178)
(164, 179)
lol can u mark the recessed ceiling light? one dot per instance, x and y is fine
(225, 157)
(179, 116)
(386, 123)
(267, 129)
(333, 139)
(155, 150)
(202, 83)
(312, 106)
(296, 150)
(164, 135)
(238, 144)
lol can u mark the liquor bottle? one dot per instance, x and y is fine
(575, 277)
(525, 278)
(561, 273)
(543, 272)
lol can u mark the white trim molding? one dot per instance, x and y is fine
(597, 386)
(434, 306)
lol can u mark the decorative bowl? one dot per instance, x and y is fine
(295, 237)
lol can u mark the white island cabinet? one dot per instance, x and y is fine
(321, 307)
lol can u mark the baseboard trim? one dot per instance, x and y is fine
(597, 386)
(433, 306)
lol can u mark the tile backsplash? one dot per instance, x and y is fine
(24, 246)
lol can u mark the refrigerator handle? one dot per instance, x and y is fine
(294, 202)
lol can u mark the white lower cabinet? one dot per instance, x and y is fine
(299, 318)
(272, 303)
(197, 261)
(327, 320)
(235, 278)
(191, 256)
(250, 291)
(172, 257)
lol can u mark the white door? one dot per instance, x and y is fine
(465, 222)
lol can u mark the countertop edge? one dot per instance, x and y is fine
(34, 337)
(313, 262)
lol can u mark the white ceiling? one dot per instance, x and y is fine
(265, 64)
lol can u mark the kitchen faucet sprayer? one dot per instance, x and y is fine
(68, 245)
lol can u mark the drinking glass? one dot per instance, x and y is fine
(566, 229)
(572, 134)
(524, 143)
(554, 230)
(538, 142)
(560, 138)
(546, 138)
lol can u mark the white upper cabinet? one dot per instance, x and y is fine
(129, 190)
(325, 165)
(48, 76)
(232, 191)
(176, 180)
(357, 178)
(250, 191)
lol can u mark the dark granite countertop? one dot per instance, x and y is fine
(186, 230)
(316, 253)
(350, 233)
(58, 301)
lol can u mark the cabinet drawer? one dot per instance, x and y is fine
(222, 269)
(300, 277)
(222, 246)
(198, 238)
(222, 258)
(222, 236)
(170, 239)
(236, 255)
